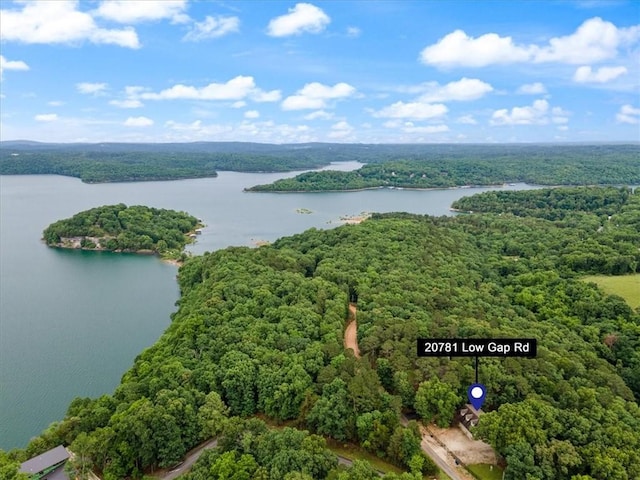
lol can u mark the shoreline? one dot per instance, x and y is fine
(384, 187)
(149, 253)
(172, 261)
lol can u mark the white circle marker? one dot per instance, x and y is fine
(477, 392)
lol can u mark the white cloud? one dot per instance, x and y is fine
(458, 49)
(413, 110)
(132, 97)
(467, 120)
(237, 88)
(46, 117)
(128, 103)
(252, 114)
(353, 32)
(133, 90)
(59, 22)
(239, 104)
(315, 96)
(628, 114)
(319, 114)
(411, 128)
(11, 65)
(536, 88)
(262, 96)
(559, 115)
(594, 41)
(138, 122)
(267, 131)
(300, 102)
(340, 130)
(464, 89)
(135, 11)
(536, 114)
(89, 88)
(196, 125)
(212, 27)
(585, 74)
(304, 17)
(55, 103)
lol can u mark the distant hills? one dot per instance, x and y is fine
(118, 162)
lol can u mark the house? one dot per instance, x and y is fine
(468, 417)
(47, 466)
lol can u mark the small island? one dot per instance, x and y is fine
(119, 228)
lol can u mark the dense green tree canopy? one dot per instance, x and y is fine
(146, 162)
(262, 328)
(122, 228)
(388, 165)
(543, 165)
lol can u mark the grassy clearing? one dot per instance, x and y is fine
(625, 286)
(353, 452)
(484, 471)
(442, 476)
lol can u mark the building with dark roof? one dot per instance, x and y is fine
(47, 466)
(468, 418)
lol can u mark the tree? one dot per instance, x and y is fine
(212, 416)
(9, 468)
(331, 414)
(80, 465)
(521, 462)
(238, 383)
(360, 470)
(233, 466)
(375, 429)
(436, 401)
(404, 444)
(403, 387)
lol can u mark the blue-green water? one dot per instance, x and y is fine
(71, 322)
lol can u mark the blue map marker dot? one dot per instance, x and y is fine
(476, 394)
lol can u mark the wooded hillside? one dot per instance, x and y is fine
(542, 165)
(260, 330)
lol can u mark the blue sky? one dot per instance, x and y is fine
(339, 71)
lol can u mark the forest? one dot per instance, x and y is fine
(258, 333)
(420, 166)
(614, 165)
(122, 228)
(101, 167)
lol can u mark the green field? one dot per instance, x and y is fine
(626, 286)
(485, 472)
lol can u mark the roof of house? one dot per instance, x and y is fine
(46, 460)
(468, 415)
(58, 474)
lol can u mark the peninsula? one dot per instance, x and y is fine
(467, 166)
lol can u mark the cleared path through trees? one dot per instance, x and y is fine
(351, 332)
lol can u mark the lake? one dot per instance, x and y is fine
(72, 322)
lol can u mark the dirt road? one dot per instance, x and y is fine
(445, 460)
(188, 462)
(351, 332)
